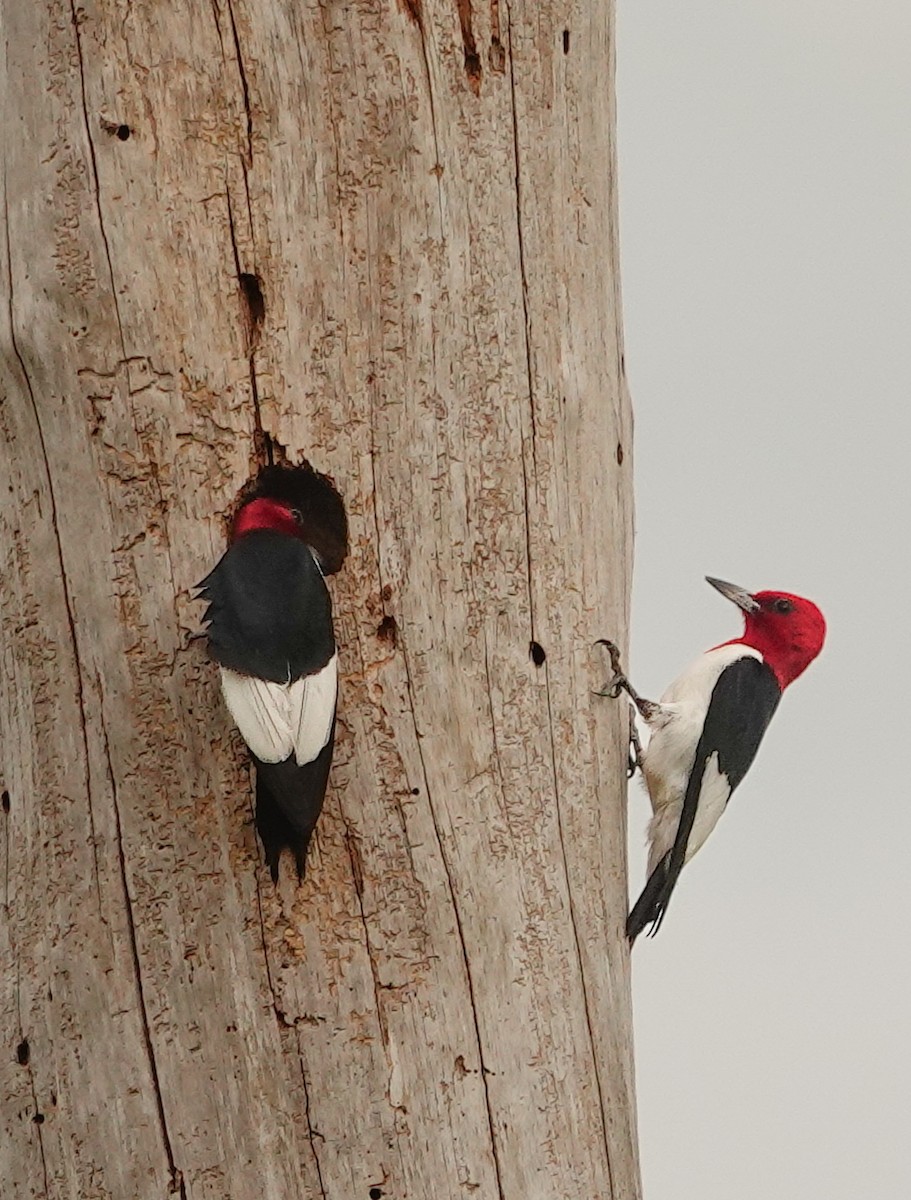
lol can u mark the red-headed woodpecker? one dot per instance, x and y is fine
(706, 729)
(270, 630)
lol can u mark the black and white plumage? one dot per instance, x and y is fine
(707, 727)
(722, 704)
(270, 630)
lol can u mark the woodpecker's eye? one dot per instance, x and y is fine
(783, 606)
(297, 515)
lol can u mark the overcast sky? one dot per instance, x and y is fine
(765, 184)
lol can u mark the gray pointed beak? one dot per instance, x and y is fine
(737, 595)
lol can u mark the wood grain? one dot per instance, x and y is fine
(385, 233)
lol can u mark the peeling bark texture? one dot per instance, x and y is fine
(384, 233)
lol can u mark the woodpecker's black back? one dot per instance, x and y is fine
(743, 703)
(269, 614)
(269, 619)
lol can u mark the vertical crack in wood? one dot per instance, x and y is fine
(550, 717)
(175, 1174)
(412, 706)
(245, 87)
(254, 319)
(58, 542)
(312, 1133)
(437, 165)
(526, 512)
(216, 13)
(7, 835)
(37, 1125)
(520, 231)
(95, 180)
(529, 375)
(259, 434)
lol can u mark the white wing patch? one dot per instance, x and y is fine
(713, 797)
(313, 706)
(668, 757)
(277, 720)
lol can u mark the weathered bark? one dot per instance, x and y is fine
(385, 232)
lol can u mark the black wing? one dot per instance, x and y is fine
(743, 702)
(269, 611)
(289, 799)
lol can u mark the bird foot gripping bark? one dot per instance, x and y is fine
(634, 762)
(611, 690)
(619, 683)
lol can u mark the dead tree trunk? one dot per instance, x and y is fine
(384, 232)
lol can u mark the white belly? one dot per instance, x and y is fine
(670, 754)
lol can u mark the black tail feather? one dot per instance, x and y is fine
(652, 904)
(289, 799)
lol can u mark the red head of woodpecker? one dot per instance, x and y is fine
(270, 630)
(706, 729)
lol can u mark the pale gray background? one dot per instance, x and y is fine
(765, 182)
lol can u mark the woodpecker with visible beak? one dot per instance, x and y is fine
(270, 630)
(706, 729)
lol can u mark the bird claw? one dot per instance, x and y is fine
(611, 691)
(618, 683)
